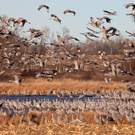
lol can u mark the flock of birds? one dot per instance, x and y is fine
(58, 51)
(18, 56)
(94, 22)
(107, 106)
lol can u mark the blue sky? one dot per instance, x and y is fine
(77, 24)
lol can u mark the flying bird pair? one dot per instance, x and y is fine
(47, 8)
(55, 17)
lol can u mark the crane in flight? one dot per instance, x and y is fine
(69, 11)
(35, 33)
(130, 33)
(43, 6)
(133, 9)
(110, 12)
(108, 32)
(89, 36)
(106, 18)
(73, 38)
(95, 32)
(113, 31)
(95, 22)
(56, 18)
(20, 21)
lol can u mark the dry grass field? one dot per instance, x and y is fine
(31, 126)
(67, 129)
(42, 86)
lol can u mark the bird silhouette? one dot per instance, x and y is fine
(89, 34)
(110, 12)
(17, 80)
(95, 22)
(133, 9)
(74, 38)
(43, 6)
(113, 31)
(69, 11)
(35, 32)
(56, 18)
(106, 18)
(95, 32)
(87, 37)
(130, 5)
(130, 34)
(21, 22)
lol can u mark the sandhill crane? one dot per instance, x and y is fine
(130, 34)
(35, 33)
(95, 32)
(95, 22)
(47, 73)
(69, 11)
(61, 40)
(113, 31)
(32, 30)
(74, 38)
(130, 5)
(133, 9)
(11, 19)
(107, 79)
(87, 37)
(104, 32)
(56, 18)
(106, 18)
(89, 34)
(21, 22)
(109, 32)
(110, 12)
(17, 80)
(43, 6)
(76, 68)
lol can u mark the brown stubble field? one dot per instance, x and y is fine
(67, 129)
(27, 126)
(42, 86)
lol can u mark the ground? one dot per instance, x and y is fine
(67, 129)
(43, 86)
